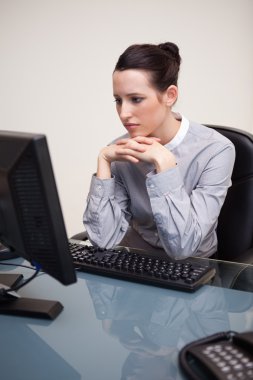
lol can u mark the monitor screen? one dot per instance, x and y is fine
(31, 220)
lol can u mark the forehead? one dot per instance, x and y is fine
(131, 81)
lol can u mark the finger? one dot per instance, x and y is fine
(128, 152)
(134, 145)
(126, 157)
(146, 140)
(155, 138)
(143, 140)
(122, 141)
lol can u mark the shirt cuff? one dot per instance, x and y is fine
(102, 187)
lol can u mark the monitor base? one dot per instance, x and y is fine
(26, 307)
(10, 279)
(30, 307)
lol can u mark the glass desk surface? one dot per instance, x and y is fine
(116, 330)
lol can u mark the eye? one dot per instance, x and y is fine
(117, 100)
(136, 99)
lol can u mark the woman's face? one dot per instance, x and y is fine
(141, 108)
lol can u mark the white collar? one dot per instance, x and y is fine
(184, 126)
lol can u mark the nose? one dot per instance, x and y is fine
(124, 111)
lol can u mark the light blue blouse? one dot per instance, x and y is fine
(177, 209)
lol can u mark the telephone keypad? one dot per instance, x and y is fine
(235, 364)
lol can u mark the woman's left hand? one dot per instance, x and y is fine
(153, 151)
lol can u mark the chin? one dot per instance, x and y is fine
(134, 134)
(137, 134)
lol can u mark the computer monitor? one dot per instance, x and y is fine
(31, 220)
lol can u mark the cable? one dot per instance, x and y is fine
(17, 265)
(17, 287)
(36, 268)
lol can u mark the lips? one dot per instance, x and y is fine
(130, 126)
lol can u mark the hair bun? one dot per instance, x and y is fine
(172, 50)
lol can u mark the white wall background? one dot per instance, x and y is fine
(57, 56)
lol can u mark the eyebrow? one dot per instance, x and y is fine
(131, 94)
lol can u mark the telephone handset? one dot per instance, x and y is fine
(222, 356)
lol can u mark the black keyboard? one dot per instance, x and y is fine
(134, 265)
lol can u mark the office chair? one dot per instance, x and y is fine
(235, 223)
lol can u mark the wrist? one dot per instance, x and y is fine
(103, 168)
(164, 163)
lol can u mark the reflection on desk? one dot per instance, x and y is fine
(111, 328)
(153, 325)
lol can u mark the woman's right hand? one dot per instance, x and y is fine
(113, 152)
(109, 154)
(106, 156)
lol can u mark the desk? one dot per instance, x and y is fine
(112, 330)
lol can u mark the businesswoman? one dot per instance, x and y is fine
(161, 186)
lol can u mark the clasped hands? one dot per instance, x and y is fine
(140, 148)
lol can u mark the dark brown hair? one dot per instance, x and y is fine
(161, 61)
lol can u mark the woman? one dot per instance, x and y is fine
(167, 177)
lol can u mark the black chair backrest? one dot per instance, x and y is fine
(235, 224)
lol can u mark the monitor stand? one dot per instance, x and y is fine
(6, 254)
(10, 279)
(26, 307)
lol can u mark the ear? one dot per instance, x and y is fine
(171, 95)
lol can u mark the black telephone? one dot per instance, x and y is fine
(222, 356)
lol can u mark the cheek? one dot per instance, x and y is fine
(149, 110)
(156, 113)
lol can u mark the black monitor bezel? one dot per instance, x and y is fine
(14, 231)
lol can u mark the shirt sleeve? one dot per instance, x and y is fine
(186, 219)
(106, 218)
